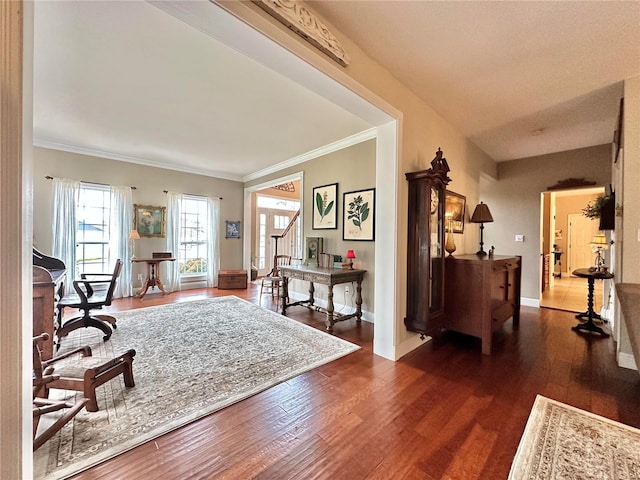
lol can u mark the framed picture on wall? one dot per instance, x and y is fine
(455, 209)
(325, 206)
(232, 229)
(149, 221)
(358, 215)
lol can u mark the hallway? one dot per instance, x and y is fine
(570, 293)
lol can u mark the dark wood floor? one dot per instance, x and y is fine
(443, 411)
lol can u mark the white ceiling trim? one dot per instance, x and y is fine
(38, 142)
(318, 152)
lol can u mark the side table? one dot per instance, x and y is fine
(590, 315)
(153, 275)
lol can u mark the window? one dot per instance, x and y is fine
(194, 236)
(93, 229)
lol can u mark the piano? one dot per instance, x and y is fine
(49, 274)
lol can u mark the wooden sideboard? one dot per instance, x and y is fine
(481, 294)
(47, 290)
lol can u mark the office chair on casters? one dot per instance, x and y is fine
(272, 280)
(93, 291)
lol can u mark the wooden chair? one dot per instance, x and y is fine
(83, 373)
(271, 281)
(43, 405)
(93, 291)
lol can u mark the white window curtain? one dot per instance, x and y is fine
(119, 244)
(65, 199)
(173, 240)
(213, 245)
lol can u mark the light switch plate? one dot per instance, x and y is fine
(519, 238)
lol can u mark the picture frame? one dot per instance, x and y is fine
(358, 215)
(150, 221)
(232, 229)
(325, 207)
(454, 206)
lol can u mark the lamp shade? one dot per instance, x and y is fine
(134, 235)
(351, 254)
(600, 241)
(481, 214)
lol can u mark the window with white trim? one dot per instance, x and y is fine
(194, 237)
(93, 229)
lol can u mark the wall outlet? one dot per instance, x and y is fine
(519, 238)
(347, 289)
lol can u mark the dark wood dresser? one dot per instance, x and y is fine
(47, 290)
(481, 294)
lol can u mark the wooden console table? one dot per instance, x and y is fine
(590, 315)
(324, 276)
(153, 274)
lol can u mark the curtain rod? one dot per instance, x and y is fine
(48, 177)
(192, 194)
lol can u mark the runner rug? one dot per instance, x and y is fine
(192, 358)
(564, 442)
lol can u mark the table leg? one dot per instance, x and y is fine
(312, 289)
(330, 307)
(359, 301)
(589, 326)
(285, 294)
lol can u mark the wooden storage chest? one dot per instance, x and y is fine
(232, 279)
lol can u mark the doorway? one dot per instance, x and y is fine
(566, 235)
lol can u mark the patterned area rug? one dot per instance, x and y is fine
(192, 359)
(563, 442)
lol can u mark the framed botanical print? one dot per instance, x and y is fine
(358, 217)
(454, 211)
(325, 205)
(149, 221)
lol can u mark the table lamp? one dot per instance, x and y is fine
(351, 255)
(481, 215)
(133, 236)
(598, 244)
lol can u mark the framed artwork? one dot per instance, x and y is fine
(149, 220)
(358, 217)
(232, 229)
(325, 205)
(454, 208)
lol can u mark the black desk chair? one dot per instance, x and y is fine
(93, 291)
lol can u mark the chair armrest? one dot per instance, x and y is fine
(85, 295)
(86, 352)
(95, 371)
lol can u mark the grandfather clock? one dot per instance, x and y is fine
(425, 248)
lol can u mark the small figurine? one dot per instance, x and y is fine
(491, 251)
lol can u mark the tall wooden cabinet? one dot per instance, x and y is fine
(425, 247)
(481, 294)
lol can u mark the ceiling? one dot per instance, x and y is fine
(129, 81)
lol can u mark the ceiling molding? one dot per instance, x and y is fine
(318, 152)
(64, 147)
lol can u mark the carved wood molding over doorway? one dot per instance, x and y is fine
(571, 183)
(302, 20)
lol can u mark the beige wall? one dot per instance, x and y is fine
(514, 201)
(150, 183)
(352, 168)
(628, 196)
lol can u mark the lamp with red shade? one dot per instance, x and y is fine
(351, 255)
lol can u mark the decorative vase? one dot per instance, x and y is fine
(450, 245)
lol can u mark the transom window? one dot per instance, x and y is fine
(194, 236)
(92, 229)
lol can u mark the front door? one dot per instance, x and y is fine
(581, 232)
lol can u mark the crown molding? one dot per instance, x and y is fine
(318, 152)
(65, 147)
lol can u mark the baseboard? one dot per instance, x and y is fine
(529, 302)
(626, 360)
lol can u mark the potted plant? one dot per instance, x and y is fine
(602, 207)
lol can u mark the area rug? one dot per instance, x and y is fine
(564, 442)
(192, 358)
